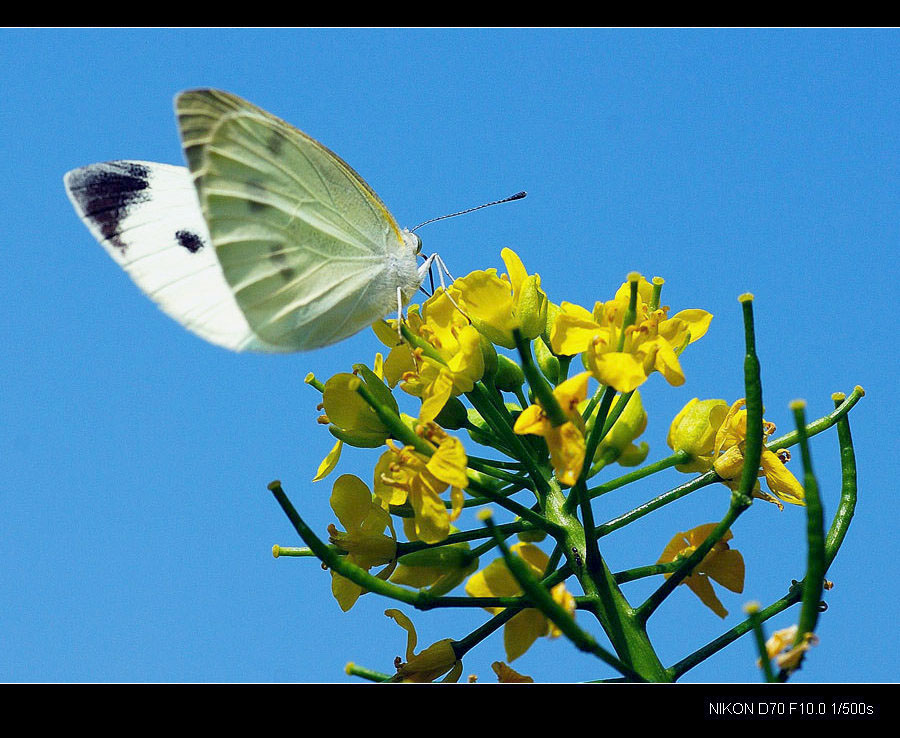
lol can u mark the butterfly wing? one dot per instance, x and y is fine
(310, 252)
(147, 217)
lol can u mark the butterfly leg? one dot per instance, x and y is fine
(442, 270)
(399, 315)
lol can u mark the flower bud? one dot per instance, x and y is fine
(618, 444)
(532, 307)
(694, 430)
(548, 363)
(509, 375)
(453, 415)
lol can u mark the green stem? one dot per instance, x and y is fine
(313, 382)
(641, 572)
(760, 638)
(679, 457)
(482, 402)
(543, 600)
(841, 409)
(815, 536)
(847, 505)
(369, 674)
(665, 498)
(540, 388)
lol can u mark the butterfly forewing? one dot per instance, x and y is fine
(147, 217)
(311, 254)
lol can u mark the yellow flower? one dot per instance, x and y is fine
(526, 626)
(435, 661)
(780, 647)
(623, 357)
(498, 305)
(351, 418)
(722, 564)
(457, 363)
(439, 570)
(364, 541)
(403, 474)
(694, 430)
(565, 442)
(728, 450)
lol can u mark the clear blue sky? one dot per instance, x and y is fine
(136, 524)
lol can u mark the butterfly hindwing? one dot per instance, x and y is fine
(147, 217)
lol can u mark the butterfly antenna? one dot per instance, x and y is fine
(517, 196)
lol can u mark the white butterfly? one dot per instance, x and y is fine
(268, 241)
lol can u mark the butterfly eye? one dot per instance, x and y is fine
(413, 241)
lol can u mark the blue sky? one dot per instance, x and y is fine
(136, 524)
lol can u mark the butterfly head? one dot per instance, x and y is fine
(412, 241)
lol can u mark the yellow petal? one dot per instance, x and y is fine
(350, 500)
(329, 462)
(727, 568)
(700, 586)
(567, 450)
(508, 675)
(432, 519)
(573, 330)
(345, 592)
(522, 630)
(435, 395)
(620, 370)
(449, 463)
(780, 480)
(407, 625)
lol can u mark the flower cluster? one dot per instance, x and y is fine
(495, 414)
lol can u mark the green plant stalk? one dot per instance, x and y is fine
(395, 425)
(679, 457)
(730, 636)
(369, 674)
(500, 474)
(339, 564)
(541, 389)
(846, 507)
(759, 637)
(841, 408)
(544, 601)
(628, 636)
(704, 480)
(815, 537)
(753, 445)
(481, 401)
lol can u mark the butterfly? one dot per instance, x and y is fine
(267, 241)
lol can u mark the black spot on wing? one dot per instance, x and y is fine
(191, 241)
(287, 274)
(106, 193)
(255, 189)
(275, 143)
(276, 254)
